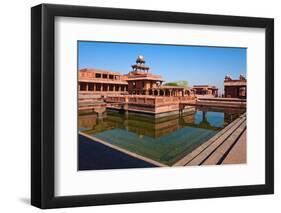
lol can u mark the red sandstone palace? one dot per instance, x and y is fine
(137, 82)
(137, 91)
(142, 91)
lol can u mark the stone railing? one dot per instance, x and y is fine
(147, 100)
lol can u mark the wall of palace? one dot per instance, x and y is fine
(147, 104)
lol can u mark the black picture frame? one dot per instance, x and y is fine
(43, 111)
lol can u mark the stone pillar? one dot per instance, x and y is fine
(101, 87)
(87, 86)
(107, 86)
(146, 92)
(79, 86)
(204, 118)
(114, 87)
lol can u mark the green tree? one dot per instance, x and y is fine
(177, 83)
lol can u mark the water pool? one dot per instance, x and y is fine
(165, 141)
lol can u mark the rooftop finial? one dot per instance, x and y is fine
(140, 59)
(242, 77)
(227, 78)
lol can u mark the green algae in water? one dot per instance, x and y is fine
(166, 149)
(164, 140)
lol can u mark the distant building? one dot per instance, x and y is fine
(205, 90)
(235, 88)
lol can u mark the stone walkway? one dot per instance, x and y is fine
(238, 154)
(226, 147)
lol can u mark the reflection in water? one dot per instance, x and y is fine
(165, 140)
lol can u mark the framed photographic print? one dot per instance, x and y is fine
(139, 106)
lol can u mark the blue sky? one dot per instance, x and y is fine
(196, 64)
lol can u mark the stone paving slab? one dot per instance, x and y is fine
(225, 147)
(238, 154)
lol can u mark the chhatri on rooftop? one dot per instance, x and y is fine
(141, 71)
